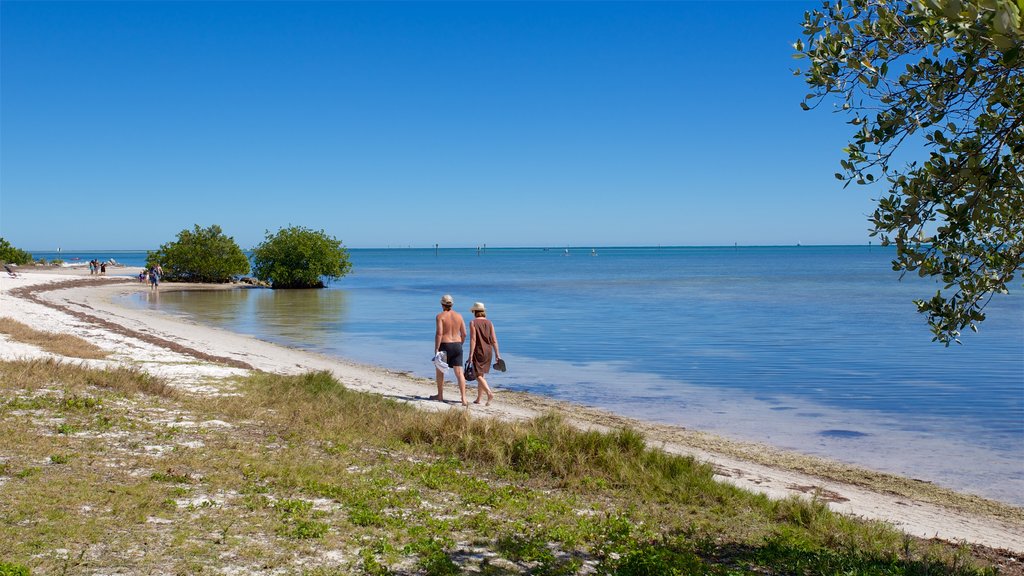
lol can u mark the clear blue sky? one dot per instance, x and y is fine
(414, 123)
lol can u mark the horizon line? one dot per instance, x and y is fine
(523, 247)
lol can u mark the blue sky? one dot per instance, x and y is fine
(415, 123)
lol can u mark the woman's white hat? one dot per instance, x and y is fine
(478, 307)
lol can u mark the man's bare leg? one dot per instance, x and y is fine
(439, 376)
(462, 384)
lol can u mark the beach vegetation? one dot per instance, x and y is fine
(11, 255)
(298, 257)
(62, 344)
(200, 255)
(308, 476)
(933, 92)
(9, 569)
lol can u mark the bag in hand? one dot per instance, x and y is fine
(469, 372)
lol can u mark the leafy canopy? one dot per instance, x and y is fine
(200, 255)
(297, 257)
(941, 81)
(12, 255)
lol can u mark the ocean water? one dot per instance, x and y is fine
(82, 257)
(814, 349)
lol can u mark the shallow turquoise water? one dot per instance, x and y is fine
(817, 349)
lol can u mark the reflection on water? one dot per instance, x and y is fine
(296, 317)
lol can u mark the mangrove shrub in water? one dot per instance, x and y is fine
(200, 255)
(297, 257)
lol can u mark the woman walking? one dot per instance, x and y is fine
(482, 340)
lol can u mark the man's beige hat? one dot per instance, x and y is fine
(478, 307)
(447, 299)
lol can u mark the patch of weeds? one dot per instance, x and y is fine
(363, 515)
(617, 530)
(335, 449)
(295, 520)
(439, 475)
(433, 559)
(103, 423)
(76, 402)
(791, 552)
(369, 565)
(172, 477)
(656, 559)
(42, 402)
(66, 429)
(168, 433)
(324, 572)
(529, 451)
(535, 548)
(303, 529)
(369, 562)
(288, 507)
(28, 472)
(800, 512)
(60, 458)
(511, 474)
(9, 569)
(253, 502)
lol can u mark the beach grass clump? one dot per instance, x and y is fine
(50, 373)
(298, 474)
(61, 344)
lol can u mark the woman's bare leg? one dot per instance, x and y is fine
(481, 387)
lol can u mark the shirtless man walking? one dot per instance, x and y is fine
(448, 338)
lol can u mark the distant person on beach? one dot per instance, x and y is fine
(154, 279)
(482, 341)
(448, 338)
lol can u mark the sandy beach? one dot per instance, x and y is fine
(193, 357)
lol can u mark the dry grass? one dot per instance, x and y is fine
(60, 344)
(49, 373)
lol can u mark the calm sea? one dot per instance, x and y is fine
(815, 349)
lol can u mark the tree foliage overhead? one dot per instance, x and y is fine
(941, 82)
(12, 255)
(200, 255)
(297, 257)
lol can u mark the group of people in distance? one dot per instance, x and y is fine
(97, 267)
(483, 342)
(152, 274)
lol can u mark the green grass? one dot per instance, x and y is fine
(313, 478)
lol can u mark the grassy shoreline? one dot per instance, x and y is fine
(766, 455)
(114, 471)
